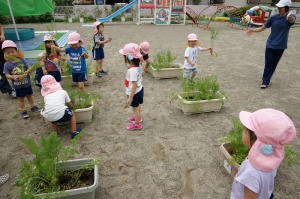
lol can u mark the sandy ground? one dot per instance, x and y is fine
(173, 156)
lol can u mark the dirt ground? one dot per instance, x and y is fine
(173, 156)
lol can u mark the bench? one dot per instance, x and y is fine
(62, 42)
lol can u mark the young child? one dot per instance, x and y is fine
(190, 62)
(133, 83)
(51, 58)
(13, 68)
(78, 56)
(98, 50)
(145, 48)
(265, 134)
(56, 99)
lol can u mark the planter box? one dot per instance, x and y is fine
(84, 115)
(231, 170)
(68, 80)
(167, 72)
(201, 106)
(80, 193)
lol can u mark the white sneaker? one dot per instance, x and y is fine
(13, 94)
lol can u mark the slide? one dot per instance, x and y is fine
(119, 11)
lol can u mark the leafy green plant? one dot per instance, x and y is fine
(82, 12)
(68, 12)
(16, 115)
(213, 37)
(239, 151)
(80, 100)
(97, 12)
(40, 175)
(164, 59)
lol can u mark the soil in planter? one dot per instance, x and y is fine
(66, 180)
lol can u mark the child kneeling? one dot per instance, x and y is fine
(55, 109)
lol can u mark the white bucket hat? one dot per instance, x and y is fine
(283, 3)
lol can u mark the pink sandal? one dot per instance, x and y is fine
(134, 126)
(132, 119)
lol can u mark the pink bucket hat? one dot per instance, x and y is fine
(49, 85)
(145, 47)
(95, 26)
(192, 37)
(131, 49)
(8, 43)
(74, 38)
(49, 37)
(273, 130)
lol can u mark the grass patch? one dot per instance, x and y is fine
(57, 37)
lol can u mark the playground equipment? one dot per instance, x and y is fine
(162, 12)
(119, 11)
(259, 14)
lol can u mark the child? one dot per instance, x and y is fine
(51, 58)
(98, 51)
(190, 62)
(78, 56)
(265, 134)
(133, 83)
(55, 110)
(13, 68)
(145, 48)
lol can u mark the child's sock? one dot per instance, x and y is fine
(31, 104)
(22, 109)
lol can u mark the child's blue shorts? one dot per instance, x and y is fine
(56, 75)
(67, 116)
(22, 92)
(138, 98)
(98, 53)
(79, 77)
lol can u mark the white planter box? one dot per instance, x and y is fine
(201, 106)
(70, 20)
(122, 19)
(81, 19)
(84, 115)
(80, 193)
(167, 72)
(231, 170)
(68, 80)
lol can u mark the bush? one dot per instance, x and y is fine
(4, 19)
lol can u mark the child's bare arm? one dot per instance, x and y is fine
(59, 49)
(205, 49)
(14, 77)
(190, 61)
(69, 105)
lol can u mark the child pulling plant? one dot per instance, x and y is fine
(17, 69)
(56, 99)
(190, 62)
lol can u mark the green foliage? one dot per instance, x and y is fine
(39, 175)
(82, 12)
(16, 115)
(240, 151)
(97, 12)
(4, 19)
(213, 37)
(80, 100)
(164, 59)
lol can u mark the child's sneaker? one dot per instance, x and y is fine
(103, 72)
(132, 119)
(75, 133)
(134, 126)
(24, 114)
(35, 109)
(13, 94)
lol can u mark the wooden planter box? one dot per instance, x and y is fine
(201, 106)
(80, 193)
(231, 170)
(167, 72)
(68, 80)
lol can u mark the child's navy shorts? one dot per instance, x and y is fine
(145, 57)
(79, 77)
(67, 116)
(98, 53)
(22, 92)
(56, 75)
(137, 98)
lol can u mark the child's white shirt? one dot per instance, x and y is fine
(260, 182)
(134, 74)
(55, 105)
(192, 54)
